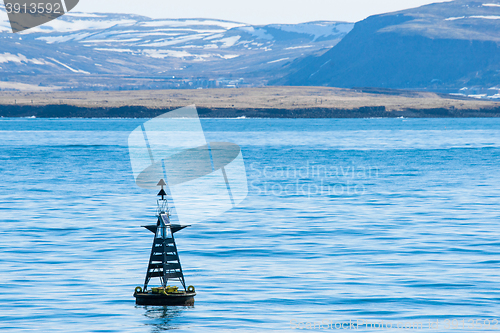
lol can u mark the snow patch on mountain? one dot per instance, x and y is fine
(282, 59)
(259, 32)
(191, 22)
(228, 41)
(68, 67)
(64, 38)
(230, 56)
(84, 15)
(486, 17)
(173, 41)
(317, 29)
(161, 54)
(65, 26)
(115, 50)
(298, 47)
(19, 58)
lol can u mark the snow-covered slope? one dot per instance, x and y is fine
(75, 50)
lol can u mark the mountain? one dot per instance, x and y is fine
(449, 47)
(82, 51)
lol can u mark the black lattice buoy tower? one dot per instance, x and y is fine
(164, 262)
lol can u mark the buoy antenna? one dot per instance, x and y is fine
(162, 191)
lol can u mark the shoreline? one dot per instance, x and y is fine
(267, 102)
(72, 111)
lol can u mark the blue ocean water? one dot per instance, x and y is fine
(347, 221)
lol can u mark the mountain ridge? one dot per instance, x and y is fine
(94, 51)
(428, 48)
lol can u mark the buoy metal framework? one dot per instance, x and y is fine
(164, 262)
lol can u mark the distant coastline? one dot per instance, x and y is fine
(71, 111)
(268, 102)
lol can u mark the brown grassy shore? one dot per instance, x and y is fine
(268, 102)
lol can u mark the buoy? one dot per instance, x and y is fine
(191, 289)
(138, 289)
(164, 262)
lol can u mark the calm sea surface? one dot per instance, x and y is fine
(386, 221)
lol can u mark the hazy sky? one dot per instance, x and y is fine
(254, 11)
